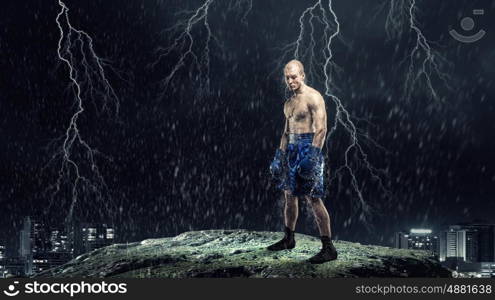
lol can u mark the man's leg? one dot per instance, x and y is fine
(321, 216)
(328, 251)
(291, 211)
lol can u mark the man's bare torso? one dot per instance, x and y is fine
(297, 112)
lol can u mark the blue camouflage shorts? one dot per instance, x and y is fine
(296, 151)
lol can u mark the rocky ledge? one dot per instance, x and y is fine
(241, 253)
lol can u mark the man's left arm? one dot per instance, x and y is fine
(319, 117)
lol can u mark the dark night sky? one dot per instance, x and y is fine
(181, 162)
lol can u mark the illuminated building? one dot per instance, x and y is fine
(418, 239)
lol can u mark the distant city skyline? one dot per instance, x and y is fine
(42, 246)
(467, 248)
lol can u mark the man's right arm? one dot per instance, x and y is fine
(285, 136)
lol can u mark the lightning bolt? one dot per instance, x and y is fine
(76, 158)
(243, 7)
(193, 51)
(397, 16)
(320, 19)
(424, 62)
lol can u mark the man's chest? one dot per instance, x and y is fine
(296, 109)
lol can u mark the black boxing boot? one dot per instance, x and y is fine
(327, 252)
(287, 242)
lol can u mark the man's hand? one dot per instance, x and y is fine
(308, 167)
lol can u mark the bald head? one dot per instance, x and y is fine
(294, 65)
(294, 75)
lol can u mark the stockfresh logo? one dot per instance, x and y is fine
(11, 290)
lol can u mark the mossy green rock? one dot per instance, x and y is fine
(241, 253)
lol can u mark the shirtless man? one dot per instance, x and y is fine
(298, 165)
